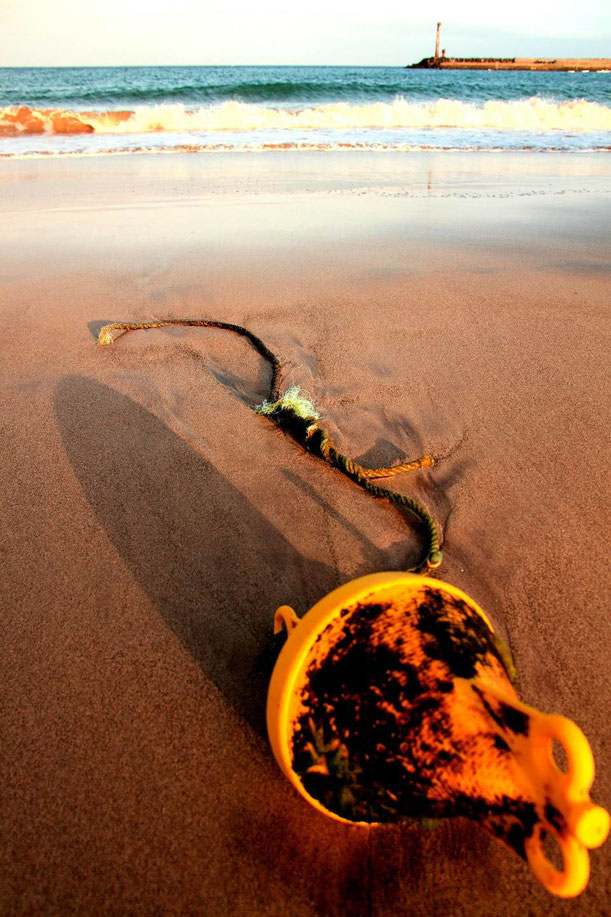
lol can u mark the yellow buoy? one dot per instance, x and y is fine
(391, 700)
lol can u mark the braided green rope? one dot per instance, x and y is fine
(297, 415)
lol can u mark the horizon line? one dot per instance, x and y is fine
(330, 66)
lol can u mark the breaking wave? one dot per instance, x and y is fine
(534, 114)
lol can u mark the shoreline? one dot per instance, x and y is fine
(303, 149)
(315, 171)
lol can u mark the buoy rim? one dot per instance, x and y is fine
(295, 651)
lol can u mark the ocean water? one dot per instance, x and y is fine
(102, 110)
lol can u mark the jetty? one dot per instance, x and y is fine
(440, 61)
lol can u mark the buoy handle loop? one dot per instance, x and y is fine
(576, 823)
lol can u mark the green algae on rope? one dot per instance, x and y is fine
(295, 414)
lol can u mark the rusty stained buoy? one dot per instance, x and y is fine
(392, 700)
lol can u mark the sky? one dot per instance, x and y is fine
(349, 32)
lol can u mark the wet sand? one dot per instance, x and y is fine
(151, 522)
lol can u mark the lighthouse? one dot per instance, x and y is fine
(439, 24)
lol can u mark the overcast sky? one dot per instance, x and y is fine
(391, 32)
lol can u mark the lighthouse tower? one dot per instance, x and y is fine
(439, 24)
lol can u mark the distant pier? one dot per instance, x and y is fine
(566, 64)
(439, 61)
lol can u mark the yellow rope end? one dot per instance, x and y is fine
(108, 333)
(434, 560)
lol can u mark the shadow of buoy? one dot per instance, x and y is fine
(212, 565)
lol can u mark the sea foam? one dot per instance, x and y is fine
(533, 114)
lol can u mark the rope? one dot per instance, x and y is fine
(433, 556)
(425, 462)
(297, 416)
(110, 333)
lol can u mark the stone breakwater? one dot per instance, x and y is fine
(567, 64)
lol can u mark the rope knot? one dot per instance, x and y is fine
(294, 412)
